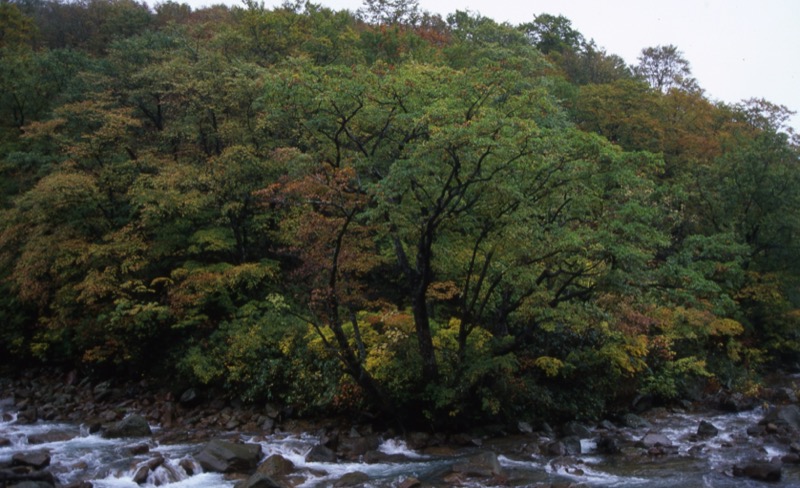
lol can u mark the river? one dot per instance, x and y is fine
(77, 455)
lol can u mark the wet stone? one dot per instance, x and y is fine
(706, 429)
(760, 471)
(355, 478)
(320, 454)
(131, 426)
(276, 465)
(36, 459)
(228, 457)
(410, 483)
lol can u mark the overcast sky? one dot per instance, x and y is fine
(737, 49)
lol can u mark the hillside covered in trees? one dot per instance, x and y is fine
(438, 220)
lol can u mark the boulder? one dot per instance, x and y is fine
(190, 398)
(760, 471)
(484, 464)
(572, 444)
(736, 402)
(52, 436)
(654, 439)
(276, 465)
(36, 479)
(131, 426)
(706, 430)
(576, 429)
(320, 454)
(260, 480)
(609, 445)
(555, 448)
(355, 478)
(786, 416)
(227, 457)
(791, 458)
(633, 421)
(36, 459)
(354, 447)
(78, 484)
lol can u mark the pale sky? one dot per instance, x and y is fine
(737, 49)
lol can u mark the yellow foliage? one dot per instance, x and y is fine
(726, 327)
(550, 365)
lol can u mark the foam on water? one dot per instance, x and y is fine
(202, 480)
(399, 447)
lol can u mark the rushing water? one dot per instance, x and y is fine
(110, 463)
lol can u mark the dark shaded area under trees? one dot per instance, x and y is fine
(438, 220)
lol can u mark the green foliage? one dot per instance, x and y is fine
(441, 221)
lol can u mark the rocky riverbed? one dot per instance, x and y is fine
(62, 430)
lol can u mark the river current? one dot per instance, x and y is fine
(77, 455)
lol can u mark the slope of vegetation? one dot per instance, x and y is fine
(436, 220)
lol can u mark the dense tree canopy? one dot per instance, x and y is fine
(436, 220)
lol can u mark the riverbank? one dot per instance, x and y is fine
(727, 437)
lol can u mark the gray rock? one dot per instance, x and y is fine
(576, 429)
(276, 465)
(36, 479)
(556, 448)
(33, 484)
(355, 447)
(736, 402)
(190, 398)
(609, 445)
(706, 429)
(760, 471)
(260, 480)
(786, 416)
(653, 439)
(355, 478)
(131, 426)
(484, 464)
(572, 444)
(607, 425)
(36, 459)
(227, 457)
(410, 483)
(52, 436)
(320, 454)
(633, 421)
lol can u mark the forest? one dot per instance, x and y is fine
(434, 220)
